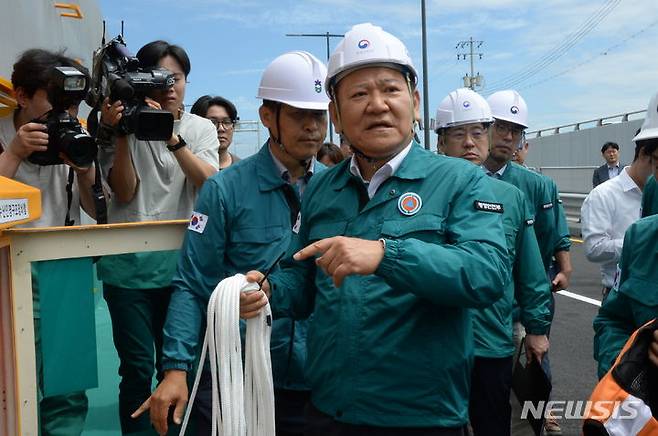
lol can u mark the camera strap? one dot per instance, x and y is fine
(99, 197)
(69, 198)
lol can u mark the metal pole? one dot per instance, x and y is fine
(426, 102)
(331, 127)
(472, 72)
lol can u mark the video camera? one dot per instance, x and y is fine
(67, 87)
(117, 74)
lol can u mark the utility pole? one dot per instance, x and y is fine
(328, 36)
(426, 100)
(471, 81)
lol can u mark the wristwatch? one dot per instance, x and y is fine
(181, 143)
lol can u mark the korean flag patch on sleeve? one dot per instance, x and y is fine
(198, 222)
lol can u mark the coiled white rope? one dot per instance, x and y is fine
(247, 399)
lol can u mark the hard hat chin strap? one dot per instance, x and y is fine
(277, 141)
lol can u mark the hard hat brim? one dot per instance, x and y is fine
(316, 106)
(510, 120)
(646, 134)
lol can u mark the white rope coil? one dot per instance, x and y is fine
(247, 399)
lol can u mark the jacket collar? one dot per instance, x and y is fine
(267, 172)
(413, 166)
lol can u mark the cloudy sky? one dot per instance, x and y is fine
(608, 63)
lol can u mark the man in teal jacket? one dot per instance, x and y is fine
(392, 250)
(511, 119)
(463, 120)
(510, 113)
(244, 219)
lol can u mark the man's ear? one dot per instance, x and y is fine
(440, 145)
(21, 97)
(416, 97)
(334, 117)
(266, 116)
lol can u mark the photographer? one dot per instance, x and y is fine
(20, 136)
(150, 181)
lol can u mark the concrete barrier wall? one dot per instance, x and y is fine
(570, 157)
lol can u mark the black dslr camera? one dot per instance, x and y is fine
(67, 87)
(118, 75)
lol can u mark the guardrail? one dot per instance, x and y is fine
(571, 202)
(597, 122)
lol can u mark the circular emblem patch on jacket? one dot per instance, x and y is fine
(409, 203)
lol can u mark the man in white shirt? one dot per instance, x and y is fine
(610, 208)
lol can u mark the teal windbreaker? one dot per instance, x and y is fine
(633, 300)
(492, 325)
(395, 348)
(248, 225)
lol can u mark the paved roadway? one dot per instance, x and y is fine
(572, 364)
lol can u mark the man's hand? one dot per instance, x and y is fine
(80, 171)
(341, 256)
(252, 302)
(535, 347)
(653, 349)
(111, 113)
(172, 392)
(560, 282)
(29, 138)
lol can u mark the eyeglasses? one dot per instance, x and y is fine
(459, 134)
(225, 123)
(504, 129)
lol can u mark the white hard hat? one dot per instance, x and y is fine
(367, 45)
(297, 79)
(509, 106)
(649, 128)
(462, 106)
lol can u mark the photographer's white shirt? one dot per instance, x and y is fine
(163, 193)
(50, 180)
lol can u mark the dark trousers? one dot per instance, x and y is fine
(320, 424)
(489, 404)
(138, 317)
(289, 409)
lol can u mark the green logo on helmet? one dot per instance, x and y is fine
(318, 86)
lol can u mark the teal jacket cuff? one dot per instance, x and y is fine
(391, 253)
(176, 364)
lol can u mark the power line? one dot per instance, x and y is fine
(561, 49)
(592, 58)
(556, 53)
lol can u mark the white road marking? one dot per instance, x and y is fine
(580, 298)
